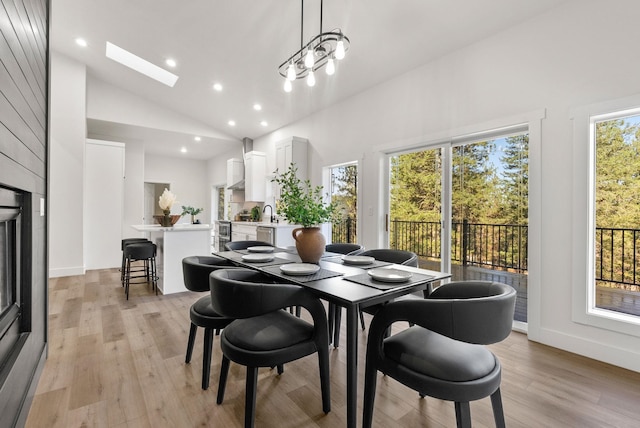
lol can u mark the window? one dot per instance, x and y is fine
(606, 244)
(616, 204)
(344, 194)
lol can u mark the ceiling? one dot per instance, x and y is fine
(241, 43)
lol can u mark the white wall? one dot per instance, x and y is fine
(189, 182)
(579, 53)
(66, 136)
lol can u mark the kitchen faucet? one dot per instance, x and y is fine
(270, 212)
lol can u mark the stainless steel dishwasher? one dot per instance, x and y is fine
(266, 234)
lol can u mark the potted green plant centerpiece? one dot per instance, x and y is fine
(193, 211)
(302, 204)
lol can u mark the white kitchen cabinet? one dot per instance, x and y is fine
(255, 181)
(235, 171)
(292, 150)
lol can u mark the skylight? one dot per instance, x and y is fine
(140, 65)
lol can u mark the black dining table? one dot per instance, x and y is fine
(348, 286)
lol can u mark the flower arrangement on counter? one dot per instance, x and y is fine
(166, 201)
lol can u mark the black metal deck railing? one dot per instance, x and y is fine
(504, 246)
(616, 256)
(344, 231)
(493, 246)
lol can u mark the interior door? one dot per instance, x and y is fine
(104, 195)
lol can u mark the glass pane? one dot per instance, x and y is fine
(490, 214)
(344, 193)
(617, 215)
(415, 205)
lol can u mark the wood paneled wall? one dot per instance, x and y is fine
(24, 71)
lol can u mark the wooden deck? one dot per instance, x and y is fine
(516, 280)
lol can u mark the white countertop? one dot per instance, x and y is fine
(176, 228)
(265, 224)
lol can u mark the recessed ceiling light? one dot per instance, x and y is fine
(81, 42)
(257, 107)
(264, 123)
(197, 138)
(170, 62)
(140, 65)
(183, 150)
(232, 123)
(217, 87)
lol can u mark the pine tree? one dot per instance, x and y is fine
(515, 180)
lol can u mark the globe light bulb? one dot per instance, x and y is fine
(331, 67)
(308, 60)
(340, 49)
(291, 72)
(287, 85)
(311, 79)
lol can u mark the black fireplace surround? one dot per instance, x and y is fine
(14, 310)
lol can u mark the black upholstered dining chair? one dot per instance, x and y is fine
(265, 335)
(243, 245)
(195, 272)
(442, 355)
(390, 255)
(344, 248)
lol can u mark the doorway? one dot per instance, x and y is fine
(152, 192)
(462, 207)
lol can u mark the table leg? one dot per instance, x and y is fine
(352, 365)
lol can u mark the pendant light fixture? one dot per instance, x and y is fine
(323, 50)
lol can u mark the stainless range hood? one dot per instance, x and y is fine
(247, 146)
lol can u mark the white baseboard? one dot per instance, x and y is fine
(620, 357)
(70, 271)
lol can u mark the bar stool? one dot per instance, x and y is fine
(124, 243)
(142, 251)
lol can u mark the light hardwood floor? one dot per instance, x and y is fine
(118, 363)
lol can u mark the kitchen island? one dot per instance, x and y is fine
(174, 244)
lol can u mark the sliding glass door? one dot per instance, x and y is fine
(463, 208)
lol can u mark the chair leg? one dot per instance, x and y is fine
(250, 397)
(280, 368)
(122, 269)
(206, 357)
(498, 413)
(336, 332)
(127, 277)
(192, 338)
(222, 383)
(463, 414)
(154, 274)
(370, 379)
(325, 381)
(361, 319)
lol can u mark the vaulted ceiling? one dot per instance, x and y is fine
(241, 43)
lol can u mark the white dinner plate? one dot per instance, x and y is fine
(357, 260)
(260, 249)
(389, 275)
(257, 258)
(299, 268)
